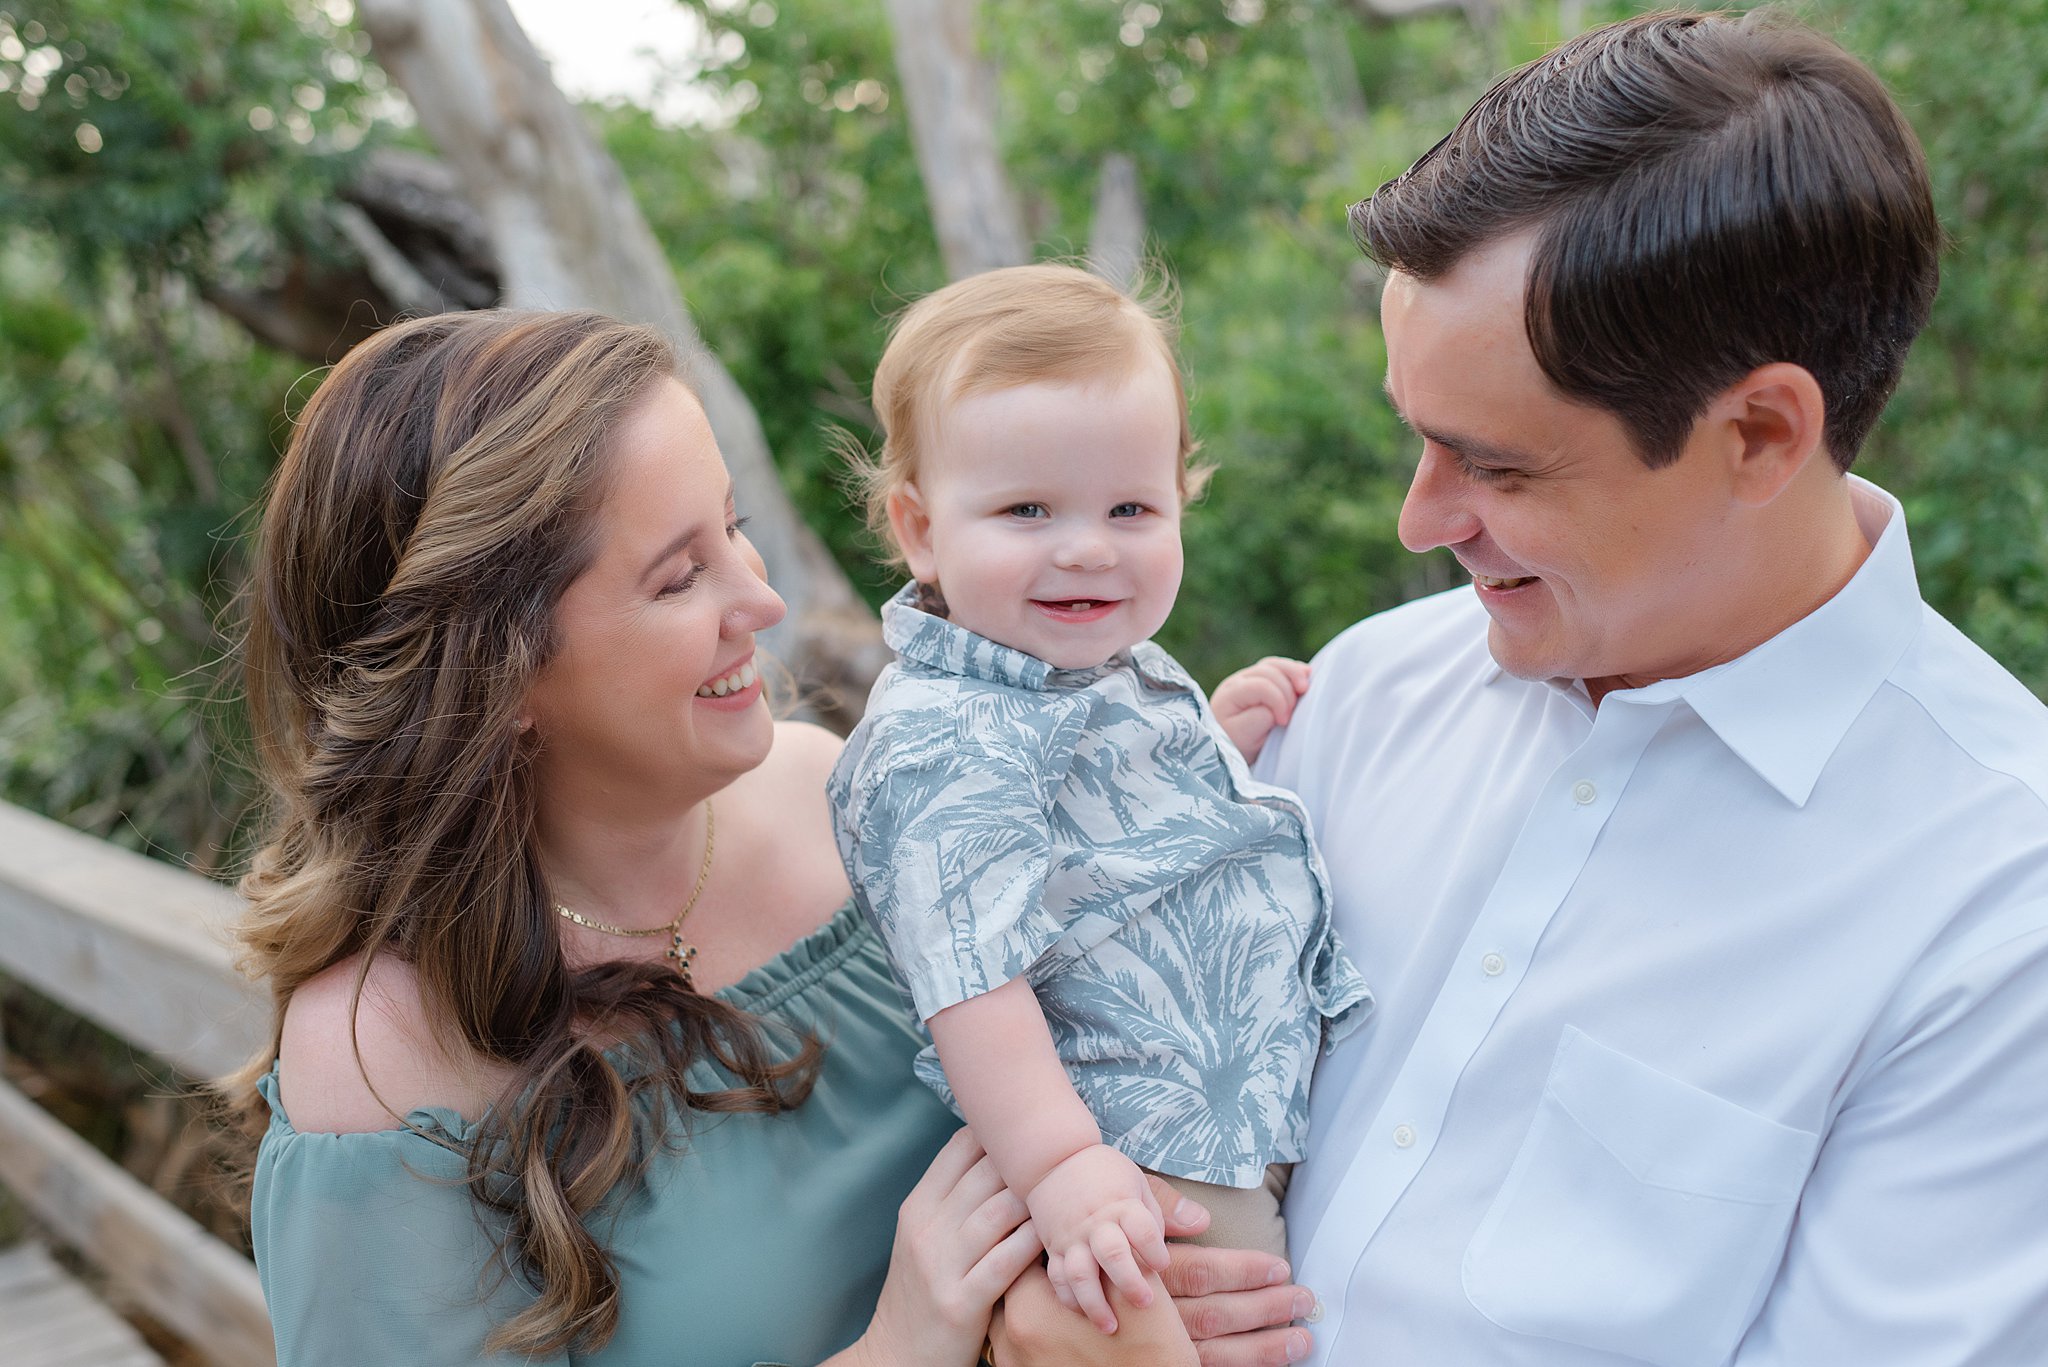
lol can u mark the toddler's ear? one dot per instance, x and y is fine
(912, 526)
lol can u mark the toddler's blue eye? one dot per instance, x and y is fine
(1028, 510)
(1128, 510)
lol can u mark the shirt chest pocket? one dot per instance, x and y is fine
(1642, 1216)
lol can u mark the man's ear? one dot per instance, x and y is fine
(1774, 422)
(911, 524)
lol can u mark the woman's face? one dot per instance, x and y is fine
(654, 685)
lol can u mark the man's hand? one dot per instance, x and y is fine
(1238, 1306)
(1097, 1217)
(1251, 702)
(1234, 1304)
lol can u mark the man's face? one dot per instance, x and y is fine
(1591, 564)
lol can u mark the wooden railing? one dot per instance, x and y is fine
(141, 949)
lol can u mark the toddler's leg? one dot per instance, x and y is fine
(1240, 1217)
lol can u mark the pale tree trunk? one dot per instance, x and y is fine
(949, 92)
(1335, 74)
(567, 234)
(1116, 237)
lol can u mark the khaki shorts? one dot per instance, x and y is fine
(1240, 1217)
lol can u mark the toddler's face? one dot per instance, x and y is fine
(1049, 515)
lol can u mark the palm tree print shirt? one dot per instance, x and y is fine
(1094, 831)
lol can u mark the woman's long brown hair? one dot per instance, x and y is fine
(438, 496)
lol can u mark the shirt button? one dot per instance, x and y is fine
(1404, 1136)
(1315, 1313)
(1583, 792)
(1494, 965)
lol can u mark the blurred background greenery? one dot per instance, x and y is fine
(166, 171)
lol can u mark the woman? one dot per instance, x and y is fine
(579, 1054)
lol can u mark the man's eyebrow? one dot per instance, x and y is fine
(1470, 448)
(682, 541)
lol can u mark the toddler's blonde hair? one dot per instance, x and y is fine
(1043, 324)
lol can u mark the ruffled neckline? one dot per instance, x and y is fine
(787, 975)
(797, 968)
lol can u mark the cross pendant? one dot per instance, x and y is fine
(682, 954)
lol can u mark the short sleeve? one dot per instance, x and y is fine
(948, 855)
(371, 1250)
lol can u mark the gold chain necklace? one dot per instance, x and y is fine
(682, 953)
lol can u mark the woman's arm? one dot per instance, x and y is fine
(1091, 1205)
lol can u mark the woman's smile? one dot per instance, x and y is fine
(738, 685)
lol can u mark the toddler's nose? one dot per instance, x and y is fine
(1086, 551)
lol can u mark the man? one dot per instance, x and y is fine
(1700, 869)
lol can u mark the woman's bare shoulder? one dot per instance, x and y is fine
(792, 778)
(339, 1075)
(782, 827)
(804, 754)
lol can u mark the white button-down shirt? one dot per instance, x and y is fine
(1713, 1023)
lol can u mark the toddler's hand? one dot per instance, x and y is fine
(1251, 702)
(1096, 1215)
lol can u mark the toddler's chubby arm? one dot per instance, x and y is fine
(1092, 1207)
(1259, 697)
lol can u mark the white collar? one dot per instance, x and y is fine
(1784, 707)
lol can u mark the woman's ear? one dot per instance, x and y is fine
(911, 524)
(1776, 421)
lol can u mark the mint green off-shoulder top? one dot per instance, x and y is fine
(759, 1239)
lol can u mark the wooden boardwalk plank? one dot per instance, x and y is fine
(197, 1286)
(127, 941)
(49, 1320)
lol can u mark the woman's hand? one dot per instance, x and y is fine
(1251, 702)
(961, 1239)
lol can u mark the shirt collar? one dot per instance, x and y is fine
(1784, 707)
(922, 638)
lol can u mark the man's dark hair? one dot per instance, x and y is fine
(1710, 194)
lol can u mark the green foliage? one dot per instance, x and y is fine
(130, 424)
(147, 153)
(1965, 442)
(178, 134)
